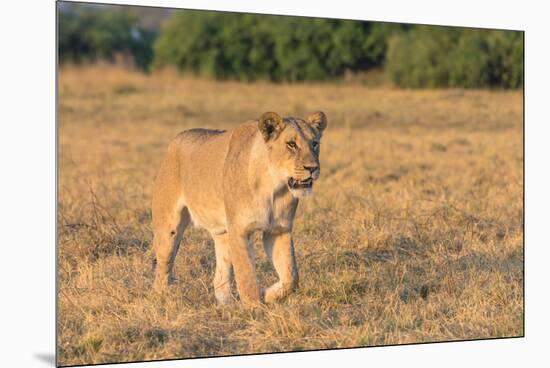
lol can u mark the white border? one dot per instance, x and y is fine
(27, 151)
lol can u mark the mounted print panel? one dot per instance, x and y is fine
(233, 184)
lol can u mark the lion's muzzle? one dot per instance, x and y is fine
(300, 184)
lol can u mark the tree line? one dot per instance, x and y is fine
(291, 49)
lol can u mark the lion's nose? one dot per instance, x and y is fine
(311, 169)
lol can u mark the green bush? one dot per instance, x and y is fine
(429, 56)
(282, 48)
(88, 34)
(278, 48)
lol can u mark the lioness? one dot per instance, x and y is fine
(233, 183)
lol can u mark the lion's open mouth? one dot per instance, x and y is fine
(298, 184)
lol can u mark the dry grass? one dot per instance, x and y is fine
(414, 233)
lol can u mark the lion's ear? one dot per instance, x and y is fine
(270, 125)
(318, 120)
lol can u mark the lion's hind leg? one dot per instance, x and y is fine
(166, 240)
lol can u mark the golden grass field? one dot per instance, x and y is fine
(414, 234)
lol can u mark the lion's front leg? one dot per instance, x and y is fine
(224, 269)
(244, 267)
(280, 249)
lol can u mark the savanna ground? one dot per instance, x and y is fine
(414, 233)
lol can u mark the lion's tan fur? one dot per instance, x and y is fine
(233, 183)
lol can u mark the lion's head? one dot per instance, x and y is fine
(293, 146)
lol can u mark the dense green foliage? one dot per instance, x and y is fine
(94, 34)
(248, 46)
(429, 56)
(281, 48)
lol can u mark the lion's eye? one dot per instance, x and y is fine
(291, 145)
(314, 144)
